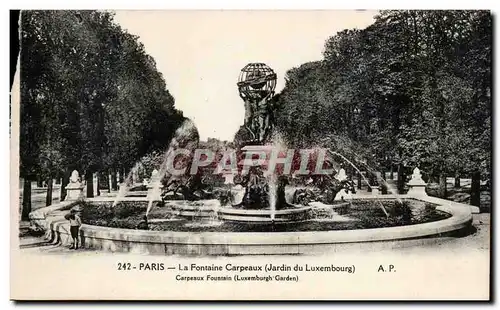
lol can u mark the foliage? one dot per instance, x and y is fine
(91, 97)
(413, 88)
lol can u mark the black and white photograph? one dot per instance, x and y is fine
(252, 154)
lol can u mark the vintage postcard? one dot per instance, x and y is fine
(252, 155)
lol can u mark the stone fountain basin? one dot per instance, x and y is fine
(212, 208)
(238, 243)
(190, 209)
(262, 216)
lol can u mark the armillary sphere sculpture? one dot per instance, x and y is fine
(256, 86)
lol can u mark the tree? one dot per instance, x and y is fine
(412, 89)
(91, 98)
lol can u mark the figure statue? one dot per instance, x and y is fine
(154, 173)
(75, 177)
(341, 175)
(417, 184)
(323, 188)
(256, 86)
(258, 119)
(416, 177)
(194, 188)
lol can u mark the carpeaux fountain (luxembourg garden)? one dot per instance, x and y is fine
(260, 198)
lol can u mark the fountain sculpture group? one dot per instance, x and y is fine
(256, 195)
(256, 192)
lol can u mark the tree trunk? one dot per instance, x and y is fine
(359, 180)
(401, 179)
(128, 178)
(89, 178)
(371, 181)
(64, 183)
(391, 175)
(475, 189)
(120, 175)
(350, 173)
(39, 181)
(108, 179)
(113, 180)
(48, 199)
(457, 180)
(442, 186)
(98, 178)
(26, 199)
(383, 183)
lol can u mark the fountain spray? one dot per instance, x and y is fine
(364, 178)
(184, 137)
(125, 185)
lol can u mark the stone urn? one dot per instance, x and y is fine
(417, 184)
(74, 189)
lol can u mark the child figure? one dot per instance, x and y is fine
(75, 222)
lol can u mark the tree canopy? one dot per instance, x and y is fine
(91, 98)
(413, 88)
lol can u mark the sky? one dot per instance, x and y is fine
(201, 53)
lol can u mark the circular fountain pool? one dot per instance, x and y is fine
(323, 229)
(209, 216)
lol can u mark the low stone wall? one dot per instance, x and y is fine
(237, 243)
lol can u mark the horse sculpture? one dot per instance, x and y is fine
(325, 189)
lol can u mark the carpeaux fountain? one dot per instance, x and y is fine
(275, 200)
(261, 191)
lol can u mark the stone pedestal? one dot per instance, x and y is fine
(154, 187)
(74, 189)
(416, 184)
(154, 192)
(95, 183)
(110, 183)
(262, 151)
(74, 192)
(122, 187)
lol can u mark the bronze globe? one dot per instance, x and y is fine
(256, 81)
